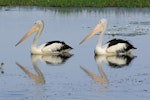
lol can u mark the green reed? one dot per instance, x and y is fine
(77, 3)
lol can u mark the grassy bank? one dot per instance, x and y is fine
(77, 3)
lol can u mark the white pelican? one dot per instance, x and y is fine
(112, 47)
(49, 47)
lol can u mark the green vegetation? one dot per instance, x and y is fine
(77, 3)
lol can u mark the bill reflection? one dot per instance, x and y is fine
(117, 61)
(38, 78)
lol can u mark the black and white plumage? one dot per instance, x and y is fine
(46, 48)
(60, 46)
(123, 45)
(112, 47)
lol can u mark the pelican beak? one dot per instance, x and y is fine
(34, 28)
(98, 28)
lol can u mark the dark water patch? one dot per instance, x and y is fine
(127, 34)
(140, 23)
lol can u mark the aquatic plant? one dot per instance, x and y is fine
(1, 69)
(77, 3)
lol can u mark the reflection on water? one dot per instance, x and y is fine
(133, 27)
(67, 10)
(99, 79)
(55, 59)
(39, 78)
(48, 59)
(117, 61)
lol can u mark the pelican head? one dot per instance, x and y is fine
(100, 27)
(38, 26)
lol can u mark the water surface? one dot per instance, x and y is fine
(70, 77)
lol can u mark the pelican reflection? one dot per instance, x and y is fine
(38, 78)
(116, 61)
(102, 79)
(54, 59)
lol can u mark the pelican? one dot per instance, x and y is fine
(112, 47)
(51, 47)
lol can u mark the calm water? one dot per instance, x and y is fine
(70, 77)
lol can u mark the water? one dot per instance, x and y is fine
(53, 77)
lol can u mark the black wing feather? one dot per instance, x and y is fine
(63, 47)
(116, 41)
